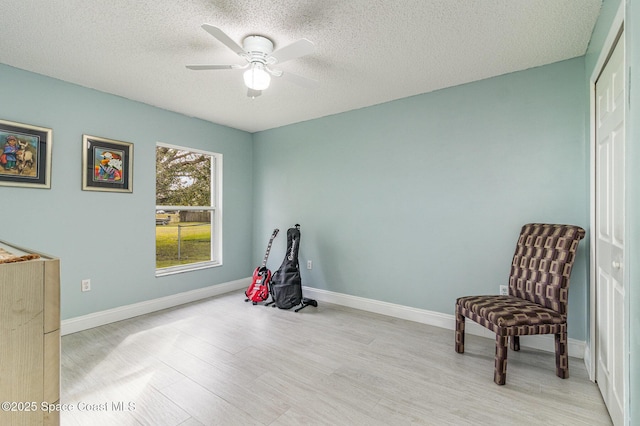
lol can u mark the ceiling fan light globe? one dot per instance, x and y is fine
(256, 77)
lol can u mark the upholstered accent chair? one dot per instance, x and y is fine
(537, 299)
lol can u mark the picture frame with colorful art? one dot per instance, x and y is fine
(25, 155)
(107, 164)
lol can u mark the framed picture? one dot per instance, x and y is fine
(25, 155)
(107, 165)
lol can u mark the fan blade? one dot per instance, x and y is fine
(213, 67)
(294, 50)
(223, 38)
(253, 93)
(309, 83)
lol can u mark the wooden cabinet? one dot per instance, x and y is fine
(29, 337)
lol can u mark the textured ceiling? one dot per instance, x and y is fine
(367, 51)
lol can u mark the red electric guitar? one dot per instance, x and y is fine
(258, 291)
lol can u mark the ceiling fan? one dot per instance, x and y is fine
(259, 54)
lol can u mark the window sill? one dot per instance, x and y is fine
(186, 268)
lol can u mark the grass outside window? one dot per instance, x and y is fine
(181, 244)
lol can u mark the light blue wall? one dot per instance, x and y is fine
(110, 237)
(419, 201)
(395, 200)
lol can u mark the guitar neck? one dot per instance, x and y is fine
(266, 255)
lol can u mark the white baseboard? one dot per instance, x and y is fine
(541, 342)
(73, 325)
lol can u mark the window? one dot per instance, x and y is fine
(188, 209)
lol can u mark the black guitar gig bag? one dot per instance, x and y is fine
(286, 283)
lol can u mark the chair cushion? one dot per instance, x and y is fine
(510, 311)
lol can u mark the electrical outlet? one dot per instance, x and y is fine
(309, 264)
(86, 285)
(504, 290)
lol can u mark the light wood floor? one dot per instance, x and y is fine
(227, 362)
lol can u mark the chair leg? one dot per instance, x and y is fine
(515, 343)
(459, 333)
(500, 371)
(562, 357)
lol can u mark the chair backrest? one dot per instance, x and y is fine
(542, 264)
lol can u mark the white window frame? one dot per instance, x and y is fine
(216, 214)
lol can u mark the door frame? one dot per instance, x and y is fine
(590, 353)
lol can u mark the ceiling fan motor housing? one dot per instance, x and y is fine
(258, 48)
